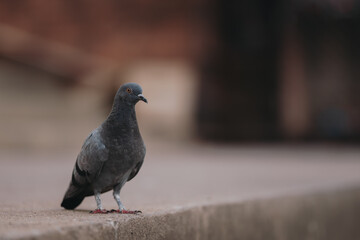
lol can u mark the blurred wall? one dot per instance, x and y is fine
(319, 88)
(282, 70)
(119, 30)
(37, 112)
(84, 50)
(214, 70)
(239, 79)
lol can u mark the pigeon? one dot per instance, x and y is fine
(111, 155)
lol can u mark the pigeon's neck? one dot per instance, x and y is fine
(122, 118)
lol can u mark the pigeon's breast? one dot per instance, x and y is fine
(123, 157)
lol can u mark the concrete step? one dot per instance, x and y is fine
(193, 192)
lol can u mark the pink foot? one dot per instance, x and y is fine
(99, 211)
(125, 211)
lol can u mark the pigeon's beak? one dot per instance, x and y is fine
(142, 98)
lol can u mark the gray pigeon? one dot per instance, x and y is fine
(111, 155)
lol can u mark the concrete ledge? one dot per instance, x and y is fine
(331, 215)
(193, 192)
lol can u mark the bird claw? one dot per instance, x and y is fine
(125, 211)
(99, 211)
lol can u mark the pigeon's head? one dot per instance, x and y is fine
(131, 93)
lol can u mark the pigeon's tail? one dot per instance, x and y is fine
(73, 197)
(72, 202)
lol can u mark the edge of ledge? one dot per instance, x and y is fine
(324, 215)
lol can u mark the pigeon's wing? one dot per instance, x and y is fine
(87, 168)
(90, 160)
(135, 171)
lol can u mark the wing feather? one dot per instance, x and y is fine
(135, 171)
(88, 166)
(90, 160)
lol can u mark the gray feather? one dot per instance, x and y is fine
(112, 154)
(91, 158)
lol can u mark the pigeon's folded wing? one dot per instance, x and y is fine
(135, 171)
(88, 166)
(90, 160)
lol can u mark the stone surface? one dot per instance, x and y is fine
(193, 192)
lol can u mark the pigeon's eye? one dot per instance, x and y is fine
(129, 90)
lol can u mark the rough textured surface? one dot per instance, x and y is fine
(193, 192)
(328, 216)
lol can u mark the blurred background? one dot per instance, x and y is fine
(219, 71)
